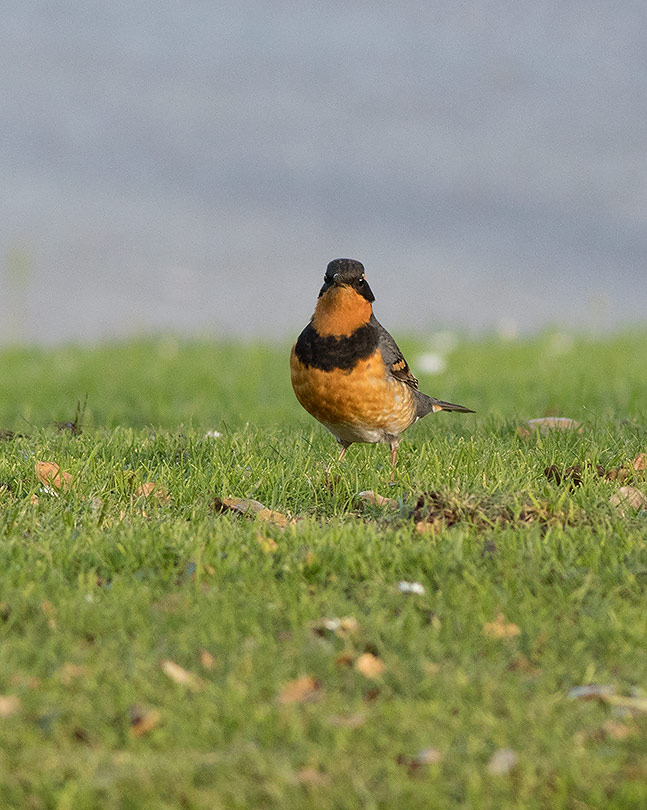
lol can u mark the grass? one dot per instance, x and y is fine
(100, 586)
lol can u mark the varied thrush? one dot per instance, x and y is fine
(348, 372)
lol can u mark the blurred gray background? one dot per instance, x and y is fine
(191, 167)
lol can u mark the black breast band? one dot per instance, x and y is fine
(330, 352)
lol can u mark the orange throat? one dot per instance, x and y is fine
(340, 311)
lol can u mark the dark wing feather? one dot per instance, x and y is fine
(392, 355)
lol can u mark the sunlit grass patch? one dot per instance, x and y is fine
(159, 650)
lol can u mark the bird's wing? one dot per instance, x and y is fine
(393, 357)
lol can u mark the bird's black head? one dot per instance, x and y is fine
(348, 273)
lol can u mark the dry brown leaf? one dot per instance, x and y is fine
(248, 506)
(23, 680)
(301, 690)
(272, 516)
(161, 494)
(616, 730)
(618, 474)
(522, 664)
(207, 660)
(627, 499)
(241, 506)
(377, 500)
(369, 665)
(143, 721)
(311, 776)
(51, 475)
(500, 628)
(182, 676)
(49, 612)
(70, 672)
(344, 660)
(640, 462)
(9, 704)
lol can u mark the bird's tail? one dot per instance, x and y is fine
(428, 404)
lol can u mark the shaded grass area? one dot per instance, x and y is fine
(100, 586)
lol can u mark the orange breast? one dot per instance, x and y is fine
(340, 311)
(364, 396)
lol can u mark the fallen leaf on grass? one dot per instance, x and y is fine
(248, 506)
(143, 721)
(9, 704)
(69, 672)
(523, 665)
(502, 761)
(25, 681)
(500, 628)
(345, 659)
(377, 500)
(428, 526)
(302, 690)
(369, 665)
(311, 776)
(546, 424)
(627, 499)
(150, 488)
(616, 730)
(50, 613)
(51, 475)
(182, 676)
(207, 660)
(640, 462)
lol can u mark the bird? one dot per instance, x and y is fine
(348, 372)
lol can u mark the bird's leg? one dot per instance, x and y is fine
(394, 444)
(344, 447)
